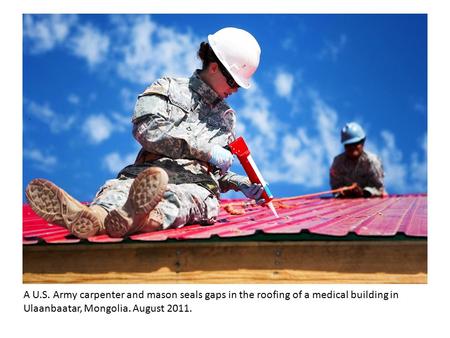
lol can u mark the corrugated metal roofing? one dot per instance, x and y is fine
(402, 214)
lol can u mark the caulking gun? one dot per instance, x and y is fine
(239, 148)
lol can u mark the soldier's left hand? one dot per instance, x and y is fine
(221, 158)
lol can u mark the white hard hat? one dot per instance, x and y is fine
(238, 51)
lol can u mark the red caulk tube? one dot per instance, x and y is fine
(239, 148)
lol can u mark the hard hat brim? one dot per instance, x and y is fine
(353, 140)
(243, 83)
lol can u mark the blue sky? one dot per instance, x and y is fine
(82, 74)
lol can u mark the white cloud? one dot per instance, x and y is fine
(326, 123)
(395, 169)
(401, 175)
(98, 128)
(56, 122)
(128, 99)
(40, 161)
(148, 51)
(332, 49)
(43, 33)
(256, 111)
(46, 32)
(89, 43)
(306, 155)
(284, 83)
(299, 157)
(114, 162)
(142, 50)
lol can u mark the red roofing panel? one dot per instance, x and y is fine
(405, 214)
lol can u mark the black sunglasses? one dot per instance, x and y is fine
(228, 77)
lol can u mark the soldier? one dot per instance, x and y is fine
(355, 165)
(183, 125)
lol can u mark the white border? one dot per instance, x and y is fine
(418, 314)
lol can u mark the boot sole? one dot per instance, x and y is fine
(145, 193)
(43, 197)
(117, 224)
(85, 226)
(147, 190)
(49, 202)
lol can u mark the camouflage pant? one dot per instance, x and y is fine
(182, 203)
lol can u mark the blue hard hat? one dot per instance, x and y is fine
(352, 133)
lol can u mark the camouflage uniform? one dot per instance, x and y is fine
(177, 121)
(367, 172)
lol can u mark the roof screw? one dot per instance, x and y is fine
(177, 266)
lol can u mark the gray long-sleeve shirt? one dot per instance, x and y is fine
(366, 171)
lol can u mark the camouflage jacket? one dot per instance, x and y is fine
(177, 121)
(367, 172)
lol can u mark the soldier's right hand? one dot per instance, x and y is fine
(221, 158)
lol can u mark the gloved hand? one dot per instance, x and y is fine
(249, 189)
(253, 191)
(221, 158)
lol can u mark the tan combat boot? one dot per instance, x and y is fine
(58, 207)
(145, 193)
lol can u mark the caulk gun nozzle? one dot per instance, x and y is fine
(272, 208)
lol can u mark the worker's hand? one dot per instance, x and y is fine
(358, 191)
(221, 158)
(253, 191)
